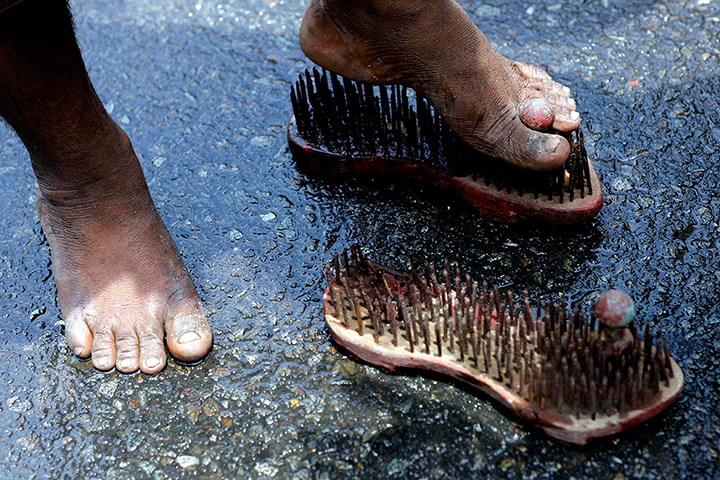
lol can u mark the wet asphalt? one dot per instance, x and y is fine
(202, 89)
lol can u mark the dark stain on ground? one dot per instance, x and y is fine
(203, 91)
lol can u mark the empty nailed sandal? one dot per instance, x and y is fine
(573, 376)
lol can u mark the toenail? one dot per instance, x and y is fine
(574, 115)
(552, 144)
(125, 363)
(152, 362)
(102, 362)
(189, 337)
(566, 89)
(78, 351)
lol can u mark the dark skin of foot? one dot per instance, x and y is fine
(433, 47)
(122, 286)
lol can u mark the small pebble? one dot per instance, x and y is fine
(187, 461)
(615, 309)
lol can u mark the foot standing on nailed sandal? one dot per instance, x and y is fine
(122, 287)
(433, 47)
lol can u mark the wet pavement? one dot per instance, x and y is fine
(203, 91)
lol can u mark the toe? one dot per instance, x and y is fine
(532, 149)
(550, 110)
(548, 86)
(543, 151)
(537, 114)
(566, 120)
(561, 101)
(103, 349)
(189, 337)
(78, 335)
(152, 351)
(532, 71)
(128, 351)
(539, 79)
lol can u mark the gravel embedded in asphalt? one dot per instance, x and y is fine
(203, 91)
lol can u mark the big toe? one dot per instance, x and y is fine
(534, 150)
(189, 337)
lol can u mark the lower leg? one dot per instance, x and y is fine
(122, 286)
(433, 47)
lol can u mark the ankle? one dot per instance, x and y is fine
(92, 167)
(98, 212)
(375, 31)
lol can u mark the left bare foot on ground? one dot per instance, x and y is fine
(122, 286)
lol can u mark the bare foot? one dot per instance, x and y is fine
(498, 106)
(122, 286)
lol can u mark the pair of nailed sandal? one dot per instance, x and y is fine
(575, 375)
